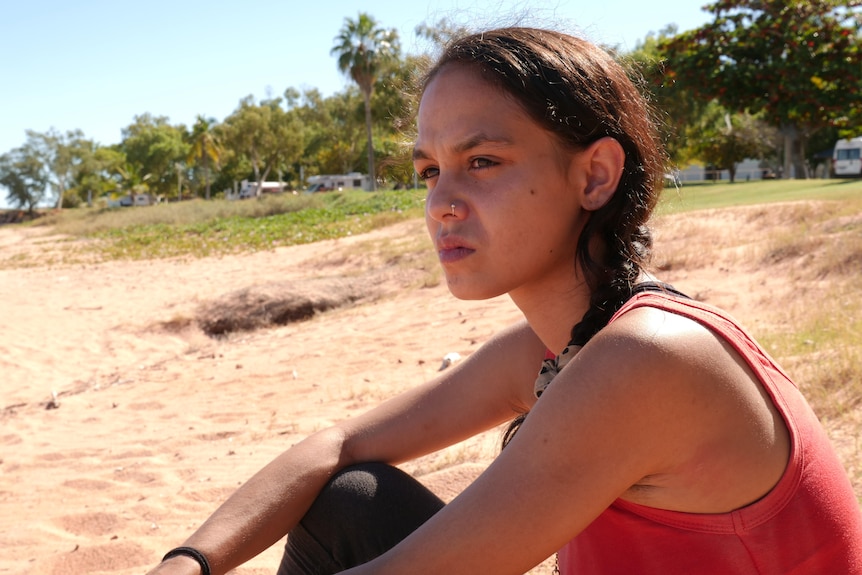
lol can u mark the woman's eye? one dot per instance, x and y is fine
(428, 173)
(480, 163)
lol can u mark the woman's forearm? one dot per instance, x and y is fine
(265, 508)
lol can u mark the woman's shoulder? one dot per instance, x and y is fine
(700, 396)
(677, 352)
(644, 327)
(669, 364)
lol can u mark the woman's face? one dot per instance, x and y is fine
(516, 218)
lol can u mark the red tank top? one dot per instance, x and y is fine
(810, 523)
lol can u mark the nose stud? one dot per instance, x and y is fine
(452, 206)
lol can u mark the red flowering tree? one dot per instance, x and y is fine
(795, 62)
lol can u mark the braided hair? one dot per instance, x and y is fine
(577, 91)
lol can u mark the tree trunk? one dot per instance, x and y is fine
(799, 159)
(261, 178)
(371, 171)
(794, 156)
(788, 155)
(206, 173)
(256, 169)
(61, 191)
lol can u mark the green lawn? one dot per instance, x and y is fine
(708, 195)
(217, 227)
(199, 228)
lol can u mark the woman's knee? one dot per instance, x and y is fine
(368, 493)
(362, 512)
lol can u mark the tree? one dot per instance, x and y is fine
(205, 147)
(61, 156)
(723, 139)
(394, 100)
(265, 134)
(155, 149)
(676, 110)
(441, 33)
(132, 179)
(22, 175)
(796, 62)
(51, 157)
(95, 175)
(333, 131)
(364, 50)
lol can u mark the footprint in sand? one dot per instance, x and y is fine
(108, 558)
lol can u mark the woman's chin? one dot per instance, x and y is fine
(470, 291)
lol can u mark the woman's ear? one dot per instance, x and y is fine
(602, 163)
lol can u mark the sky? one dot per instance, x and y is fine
(94, 65)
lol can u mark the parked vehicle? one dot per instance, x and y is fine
(847, 158)
(314, 188)
(250, 189)
(329, 182)
(127, 201)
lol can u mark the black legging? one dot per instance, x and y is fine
(362, 512)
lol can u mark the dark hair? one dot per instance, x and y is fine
(578, 92)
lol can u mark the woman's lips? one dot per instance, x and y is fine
(451, 255)
(451, 249)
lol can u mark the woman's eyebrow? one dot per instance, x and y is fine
(467, 144)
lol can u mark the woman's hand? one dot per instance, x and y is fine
(179, 565)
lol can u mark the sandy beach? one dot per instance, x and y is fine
(124, 425)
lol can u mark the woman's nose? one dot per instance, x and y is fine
(442, 206)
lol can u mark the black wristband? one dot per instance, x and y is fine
(194, 554)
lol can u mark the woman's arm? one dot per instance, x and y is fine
(478, 393)
(653, 409)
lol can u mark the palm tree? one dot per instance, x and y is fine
(205, 147)
(363, 50)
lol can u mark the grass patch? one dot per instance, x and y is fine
(210, 228)
(199, 229)
(708, 195)
(825, 236)
(410, 253)
(810, 316)
(823, 351)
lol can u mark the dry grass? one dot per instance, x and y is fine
(799, 293)
(410, 256)
(85, 222)
(199, 229)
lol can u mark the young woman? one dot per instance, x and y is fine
(659, 437)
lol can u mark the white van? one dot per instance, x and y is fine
(847, 158)
(249, 189)
(330, 182)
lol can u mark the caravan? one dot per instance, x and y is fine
(250, 189)
(329, 182)
(847, 158)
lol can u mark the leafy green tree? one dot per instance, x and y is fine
(98, 174)
(59, 157)
(22, 175)
(676, 110)
(51, 158)
(397, 101)
(132, 179)
(233, 166)
(157, 152)
(364, 50)
(333, 134)
(796, 62)
(264, 134)
(440, 33)
(205, 147)
(725, 139)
